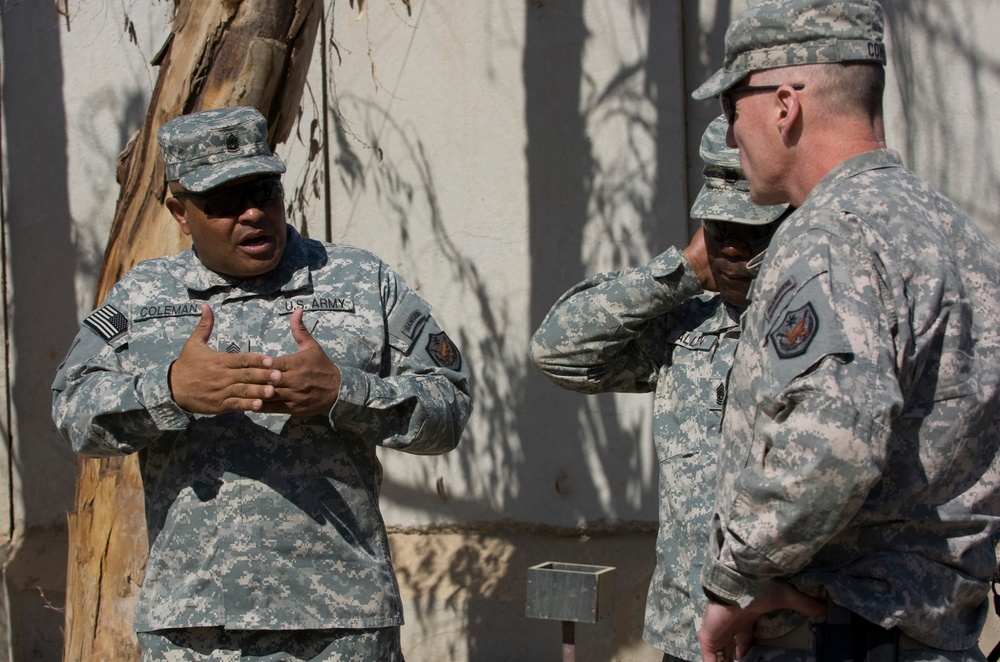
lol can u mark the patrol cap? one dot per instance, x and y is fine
(205, 149)
(782, 33)
(725, 193)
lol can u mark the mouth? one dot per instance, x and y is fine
(257, 244)
(736, 277)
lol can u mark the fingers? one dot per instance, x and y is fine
(791, 598)
(203, 331)
(715, 637)
(299, 332)
(744, 640)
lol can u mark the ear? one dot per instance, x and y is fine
(177, 210)
(787, 111)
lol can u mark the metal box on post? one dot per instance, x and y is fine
(571, 593)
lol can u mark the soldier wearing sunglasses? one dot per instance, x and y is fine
(256, 374)
(859, 473)
(670, 327)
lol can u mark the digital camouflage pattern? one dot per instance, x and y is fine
(212, 645)
(781, 33)
(725, 192)
(860, 437)
(211, 147)
(650, 329)
(264, 521)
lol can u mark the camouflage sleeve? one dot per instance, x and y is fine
(421, 402)
(815, 425)
(597, 336)
(98, 403)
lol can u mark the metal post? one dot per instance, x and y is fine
(569, 641)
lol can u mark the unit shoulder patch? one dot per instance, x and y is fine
(443, 351)
(793, 334)
(107, 322)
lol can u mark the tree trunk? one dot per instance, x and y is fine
(224, 53)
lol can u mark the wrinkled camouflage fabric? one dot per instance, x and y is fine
(651, 329)
(860, 436)
(217, 645)
(263, 521)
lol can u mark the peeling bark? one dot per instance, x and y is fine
(233, 52)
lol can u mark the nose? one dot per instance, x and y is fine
(736, 248)
(251, 212)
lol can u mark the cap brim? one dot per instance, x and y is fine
(209, 176)
(733, 206)
(721, 81)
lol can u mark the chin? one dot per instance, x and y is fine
(766, 198)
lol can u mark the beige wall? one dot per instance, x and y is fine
(495, 153)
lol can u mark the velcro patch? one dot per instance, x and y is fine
(406, 321)
(786, 286)
(792, 335)
(107, 322)
(443, 351)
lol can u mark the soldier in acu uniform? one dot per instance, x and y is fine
(671, 327)
(255, 375)
(859, 467)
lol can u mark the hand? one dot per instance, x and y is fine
(726, 632)
(696, 255)
(307, 382)
(204, 381)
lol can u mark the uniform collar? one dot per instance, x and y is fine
(871, 160)
(291, 274)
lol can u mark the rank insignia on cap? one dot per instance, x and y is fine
(443, 351)
(107, 322)
(232, 143)
(792, 335)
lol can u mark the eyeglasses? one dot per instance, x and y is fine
(751, 234)
(231, 201)
(729, 104)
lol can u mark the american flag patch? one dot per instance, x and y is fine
(107, 322)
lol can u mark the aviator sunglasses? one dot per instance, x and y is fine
(729, 104)
(232, 201)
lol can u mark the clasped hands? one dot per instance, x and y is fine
(206, 381)
(726, 632)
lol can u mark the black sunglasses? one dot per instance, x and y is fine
(232, 201)
(729, 105)
(751, 234)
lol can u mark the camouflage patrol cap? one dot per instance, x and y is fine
(725, 194)
(205, 149)
(782, 33)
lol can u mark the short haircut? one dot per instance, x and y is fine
(849, 87)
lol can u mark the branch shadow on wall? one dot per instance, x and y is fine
(536, 448)
(943, 75)
(527, 452)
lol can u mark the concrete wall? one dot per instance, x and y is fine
(495, 153)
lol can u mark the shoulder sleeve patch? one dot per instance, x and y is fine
(107, 322)
(792, 335)
(443, 351)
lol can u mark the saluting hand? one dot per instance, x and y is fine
(307, 382)
(696, 254)
(205, 381)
